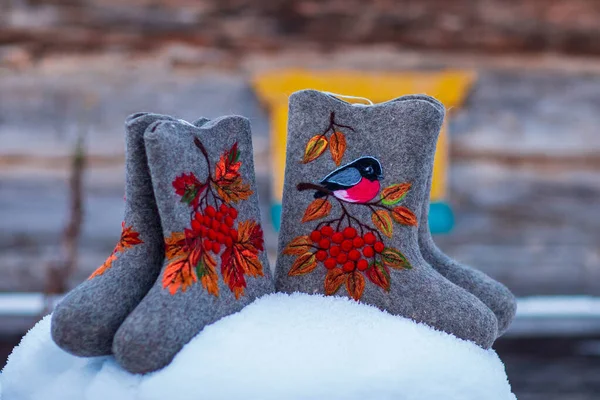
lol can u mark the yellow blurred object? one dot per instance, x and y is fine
(273, 88)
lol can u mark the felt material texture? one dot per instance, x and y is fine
(86, 320)
(199, 284)
(491, 292)
(401, 135)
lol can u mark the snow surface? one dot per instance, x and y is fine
(280, 347)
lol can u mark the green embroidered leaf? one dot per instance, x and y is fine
(395, 193)
(314, 148)
(189, 195)
(201, 269)
(234, 154)
(379, 275)
(394, 259)
(333, 280)
(382, 221)
(303, 265)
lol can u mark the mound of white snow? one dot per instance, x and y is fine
(279, 347)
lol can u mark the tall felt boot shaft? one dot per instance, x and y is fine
(401, 135)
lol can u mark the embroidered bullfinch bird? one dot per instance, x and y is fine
(356, 182)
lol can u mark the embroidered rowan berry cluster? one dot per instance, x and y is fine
(215, 227)
(346, 249)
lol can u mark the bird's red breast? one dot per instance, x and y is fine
(363, 192)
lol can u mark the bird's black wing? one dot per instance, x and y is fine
(342, 179)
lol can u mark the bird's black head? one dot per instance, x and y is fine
(369, 168)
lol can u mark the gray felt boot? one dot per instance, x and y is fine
(492, 293)
(85, 321)
(355, 177)
(215, 264)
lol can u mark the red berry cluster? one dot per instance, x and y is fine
(345, 248)
(216, 227)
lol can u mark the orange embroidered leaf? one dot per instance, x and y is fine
(174, 245)
(355, 284)
(228, 182)
(248, 261)
(178, 274)
(404, 216)
(393, 194)
(104, 267)
(234, 191)
(298, 246)
(379, 275)
(129, 238)
(319, 208)
(250, 234)
(394, 259)
(382, 221)
(314, 148)
(228, 166)
(337, 147)
(303, 265)
(206, 270)
(333, 280)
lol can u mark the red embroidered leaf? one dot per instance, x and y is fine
(394, 259)
(379, 275)
(129, 238)
(232, 272)
(333, 280)
(303, 265)
(355, 284)
(404, 216)
(298, 246)
(393, 194)
(382, 221)
(242, 257)
(314, 148)
(319, 208)
(189, 188)
(337, 147)
(206, 270)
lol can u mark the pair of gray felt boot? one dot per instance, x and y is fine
(191, 250)
(354, 224)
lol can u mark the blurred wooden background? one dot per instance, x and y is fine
(525, 179)
(525, 182)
